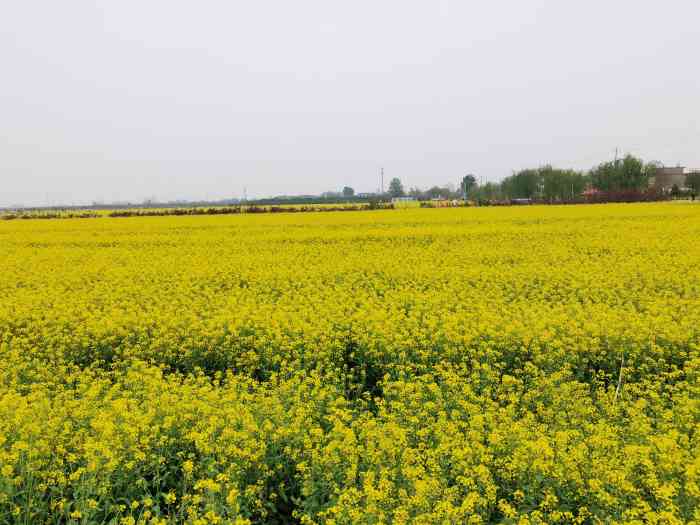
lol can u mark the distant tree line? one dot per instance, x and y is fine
(625, 179)
(548, 183)
(621, 179)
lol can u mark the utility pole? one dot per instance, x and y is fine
(382, 180)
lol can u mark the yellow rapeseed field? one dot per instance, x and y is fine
(433, 366)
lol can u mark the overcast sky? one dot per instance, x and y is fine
(179, 99)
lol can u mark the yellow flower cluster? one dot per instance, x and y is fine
(509, 365)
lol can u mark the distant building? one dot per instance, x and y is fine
(591, 192)
(402, 199)
(665, 179)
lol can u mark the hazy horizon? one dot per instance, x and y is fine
(176, 100)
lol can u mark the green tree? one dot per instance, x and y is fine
(467, 185)
(561, 185)
(436, 192)
(416, 192)
(522, 185)
(348, 191)
(692, 181)
(545, 182)
(396, 188)
(487, 192)
(629, 173)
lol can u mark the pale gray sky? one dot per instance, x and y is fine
(178, 99)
